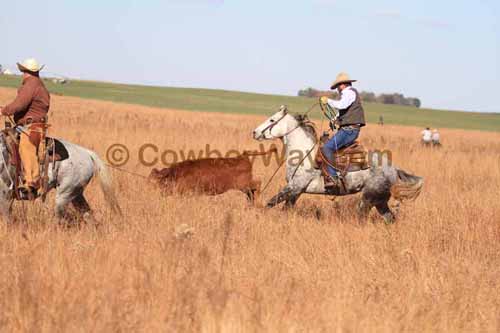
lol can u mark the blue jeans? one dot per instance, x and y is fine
(341, 139)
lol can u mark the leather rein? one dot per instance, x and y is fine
(270, 127)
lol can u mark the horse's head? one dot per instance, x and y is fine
(276, 126)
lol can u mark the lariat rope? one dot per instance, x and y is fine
(272, 177)
(127, 171)
(327, 111)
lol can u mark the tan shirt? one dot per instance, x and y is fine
(32, 101)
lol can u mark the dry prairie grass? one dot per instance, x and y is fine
(246, 269)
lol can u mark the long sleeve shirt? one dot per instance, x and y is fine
(347, 97)
(426, 135)
(32, 101)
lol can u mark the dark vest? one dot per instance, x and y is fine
(354, 114)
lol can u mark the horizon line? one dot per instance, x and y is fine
(118, 82)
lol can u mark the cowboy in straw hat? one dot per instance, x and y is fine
(436, 138)
(426, 136)
(29, 110)
(351, 119)
(31, 66)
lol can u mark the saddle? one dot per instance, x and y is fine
(349, 159)
(50, 150)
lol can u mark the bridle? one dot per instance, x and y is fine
(269, 128)
(274, 123)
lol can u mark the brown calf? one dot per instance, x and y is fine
(211, 176)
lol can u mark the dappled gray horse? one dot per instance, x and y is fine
(377, 184)
(69, 177)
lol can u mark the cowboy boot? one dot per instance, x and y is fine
(27, 193)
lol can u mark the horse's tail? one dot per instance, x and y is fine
(407, 187)
(105, 183)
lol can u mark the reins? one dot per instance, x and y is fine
(271, 126)
(272, 177)
(289, 132)
(128, 172)
(303, 159)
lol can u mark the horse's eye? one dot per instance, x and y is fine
(271, 121)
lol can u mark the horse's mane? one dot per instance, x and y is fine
(307, 125)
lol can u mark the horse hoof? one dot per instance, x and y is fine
(389, 221)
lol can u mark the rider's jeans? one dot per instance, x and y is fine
(343, 138)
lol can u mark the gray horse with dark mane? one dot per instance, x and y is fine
(69, 177)
(377, 184)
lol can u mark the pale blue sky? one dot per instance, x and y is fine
(445, 52)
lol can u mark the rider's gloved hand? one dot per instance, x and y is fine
(323, 100)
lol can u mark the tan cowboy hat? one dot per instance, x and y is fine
(30, 65)
(341, 78)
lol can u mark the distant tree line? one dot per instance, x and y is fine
(396, 98)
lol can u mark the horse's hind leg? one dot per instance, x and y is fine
(377, 192)
(82, 207)
(291, 201)
(290, 196)
(364, 207)
(283, 195)
(396, 208)
(385, 211)
(68, 195)
(62, 200)
(81, 204)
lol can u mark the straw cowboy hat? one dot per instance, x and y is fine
(30, 65)
(341, 78)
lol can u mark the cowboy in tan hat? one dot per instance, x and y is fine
(351, 119)
(29, 110)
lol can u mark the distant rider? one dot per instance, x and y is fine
(351, 119)
(426, 136)
(30, 110)
(436, 138)
(381, 120)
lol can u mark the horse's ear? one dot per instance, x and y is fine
(284, 109)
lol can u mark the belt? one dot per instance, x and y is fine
(30, 120)
(351, 127)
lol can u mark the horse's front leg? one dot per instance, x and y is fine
(289, 194)
(297, 188)
(291, 200)
(283, 195)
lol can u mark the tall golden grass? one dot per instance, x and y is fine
(314, 268)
